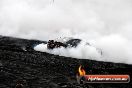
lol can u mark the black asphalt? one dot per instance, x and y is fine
(22, 67)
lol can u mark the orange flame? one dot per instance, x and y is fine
(81, 71)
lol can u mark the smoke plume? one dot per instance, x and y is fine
(106, 24)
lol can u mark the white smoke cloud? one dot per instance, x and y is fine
(105, 23)
(81, 51)
(115, 48)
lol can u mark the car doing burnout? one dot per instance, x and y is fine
(52, 44)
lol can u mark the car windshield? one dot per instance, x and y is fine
(63, 40)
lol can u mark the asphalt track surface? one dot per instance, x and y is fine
(22, 67)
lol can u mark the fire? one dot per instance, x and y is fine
(81, 71)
